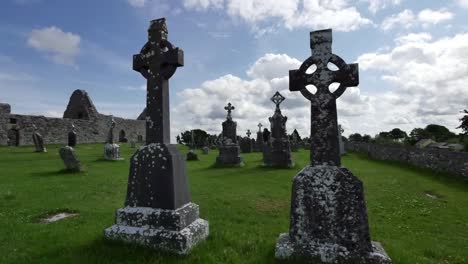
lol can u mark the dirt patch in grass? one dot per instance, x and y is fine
(55, 215)
(269, 205)
(433, 195)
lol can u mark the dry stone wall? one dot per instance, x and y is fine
(439, 160)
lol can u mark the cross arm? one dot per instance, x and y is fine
(347, 76)
(140, 65)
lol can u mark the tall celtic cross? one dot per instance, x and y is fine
(229, 107)
(324, 122)
(157, 62)
(277, 98)
(260, 127)
(248, 133)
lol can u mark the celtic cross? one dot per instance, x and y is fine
(229, 107)
(248, 133)
(324, 121)
(157, 62)
(260, 127)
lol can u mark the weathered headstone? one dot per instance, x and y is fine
(340, 140)
(328, 211)
(72, 136)
(294, 141)
(277, 149)
(246, 143)
(259, 140)
(132, 143)
(111, 149)
(158, 211)
(205, 150)
(229, 150)
(38, 140)
(70, 159)
(192, 155)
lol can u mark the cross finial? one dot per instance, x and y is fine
(229, 107)
(277, 98)
(324, 120)
(260, 127)
(248, 133)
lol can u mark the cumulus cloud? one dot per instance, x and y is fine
(137, 3)
(338, 14)
(462, 3)
(203, 106)
(407, 19)
(376, 5)
(429, 78)
(61, 47)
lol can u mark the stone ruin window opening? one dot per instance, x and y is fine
(122, 137)
(13, 137)
(311, 88)
(139, 138)
(80, 115)
(12, 120)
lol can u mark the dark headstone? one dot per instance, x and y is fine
(72, 136)
(158, 211)
(205, 150)
(80, 106)
(259, 140)
(266, 135)
(277, 150)
(111, 150)
(328, 221)
(246, 145)
(70, 159)
(229, 150)
(192, 155)
(38, 141)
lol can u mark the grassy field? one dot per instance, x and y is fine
(419, 216)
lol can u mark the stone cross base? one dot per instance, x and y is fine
(112, 152)
(174, 231)
(277, 154)
(329, 219)
(229, 155)
(318, 252)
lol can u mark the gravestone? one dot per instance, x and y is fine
(328, 221)
(38, 140)
(246, 143)
(158, 211)
(340, 140)
(70, 159)
(229, 150)
(205, 150)
(132, 143)
(72, 136)
(111, 149)
(277, 149)
(294, 141)
(192, 155)
(259, 140)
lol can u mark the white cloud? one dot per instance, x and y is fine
(61, 47)
(376, 5)
(429, 77)
(203, 106)
(462, 3)
(407, 19)
(337, 14)
(137, 3)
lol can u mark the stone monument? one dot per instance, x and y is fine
(295, 141)
(111, 149)
(68, 155)
(277, 149)
(340, 140)
(158, 211)
(72, 136)
(246, 143)
(229, 150)
(192, 155)
(259, 140)
(328, 221)
(38, 140)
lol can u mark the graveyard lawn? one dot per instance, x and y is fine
(419, 216)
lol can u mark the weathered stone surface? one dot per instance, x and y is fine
(229, 155)
(229, 150)
(175, 231)
(80, 106)
(259, 141)
(329, 218)
(192, 155)
(246, 145)
(72, 136)
(205, 150)
(112, 152)
(142, 116)
(70, 159)
(132, 143)
(5, 108)
(277, 150)
(38, 141)
(157, 193)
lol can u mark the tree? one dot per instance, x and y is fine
(440, 133)
(179, 141)
(417, 134)
(464, 123)
(356, 137)
(397, 134)
(366, 138)
(199, 136)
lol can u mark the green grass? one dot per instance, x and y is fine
(247, 208)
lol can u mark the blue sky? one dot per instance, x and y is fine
(412, 56)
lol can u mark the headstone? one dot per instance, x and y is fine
(205, 150)
(111, 149)
(259, 141)
(192, 155)
(328, 221)
(246, 143)
(158, 211)
(229, 150)
(72, 136)
(132, 143)
(340, 141)
(38, 141)
(277, 148)
(70, 159)
(294, 141)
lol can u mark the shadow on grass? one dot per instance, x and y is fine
(59, 173)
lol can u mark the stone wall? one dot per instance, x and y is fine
(55, 130)
(439, 160)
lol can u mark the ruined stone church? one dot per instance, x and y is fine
(90, 125)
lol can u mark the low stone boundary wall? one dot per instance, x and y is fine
(439, 160)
